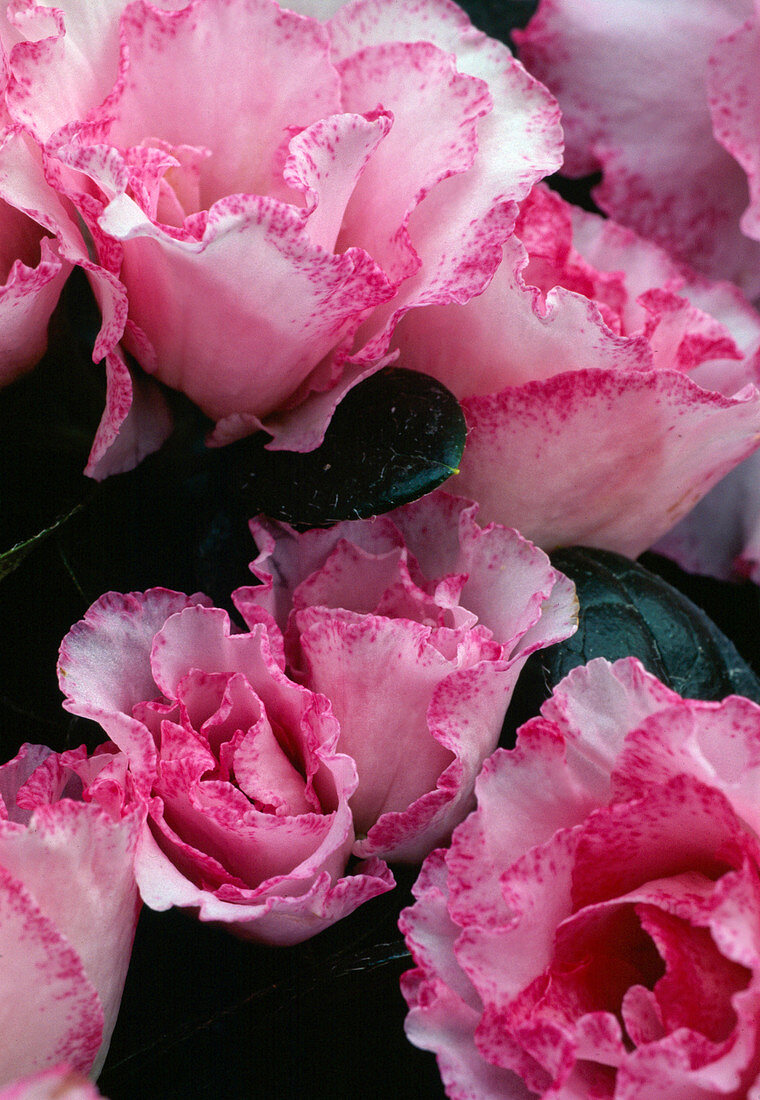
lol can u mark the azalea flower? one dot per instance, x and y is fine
(268, 190)
(606, 388)
(593, 929)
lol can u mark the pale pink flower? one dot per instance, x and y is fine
(415, 626)
(273, 191)
(606, 389)
(248, 823)
(658, 96)
(68, 911)
(594, 929)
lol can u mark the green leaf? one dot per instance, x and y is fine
(627, 611)
(392, 439)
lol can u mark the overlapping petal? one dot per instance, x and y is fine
(594, 928)
(415, 627)
(284, 215)
(249, 823)
(595, 368)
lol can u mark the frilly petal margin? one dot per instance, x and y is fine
(27, 299)
(659, 442)
(281, 919)
(141, 665)
(415, 626)
(444, 1008)
(608, 877)
(136, 419)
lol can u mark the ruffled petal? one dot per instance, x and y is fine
(659, 443)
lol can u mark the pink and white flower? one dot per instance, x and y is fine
(594, 929)
(415, 626)
(606, 389)
(661, 98)
(248, 821)
(270, 189)
(68, 911)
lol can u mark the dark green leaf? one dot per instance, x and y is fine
(628, 611)
(393, 438)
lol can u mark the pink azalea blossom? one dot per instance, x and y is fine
(594, 929)
(271, 190)
(68, 912)
(248, 823)
(415, 626)
(59, 1083)
(606, 389)
(661, 98)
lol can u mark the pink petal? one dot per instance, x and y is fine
(636, 454)
(77, 864)
(59, 1083)
(136, 421)
(380, 207)
(734, 97)
(379, 675)
(262, 354)
(33, 275)
(326, 161)
(104, 666)
(465, 716)
(63, 62)
(716, 743)
(634, 113)
(275, 919)
(594, 708)
(54, 1001)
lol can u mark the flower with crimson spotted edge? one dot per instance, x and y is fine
(268, 757)
(68, 912)
(606, 388)
(415, 625)
(267, 187)
(594, 928)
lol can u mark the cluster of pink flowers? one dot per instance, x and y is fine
(269, 205)
(329, 229)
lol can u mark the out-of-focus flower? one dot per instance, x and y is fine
(68, 911)
(606, 389)
(654, 95)
(272, 190)
(248, 817)
(594, 929)
(59, 1083)
(415, 626)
